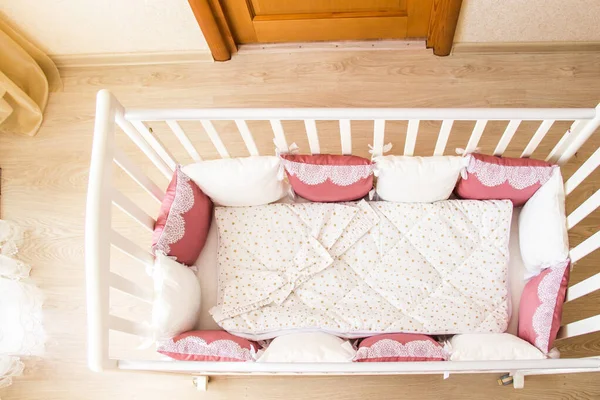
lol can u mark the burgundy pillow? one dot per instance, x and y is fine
(328, 178)
(540, 310)
(208, 346)
(498, 178)
(395, 347)
(183, 220)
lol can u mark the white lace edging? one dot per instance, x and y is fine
(21, 329)
(11, 237)
(315, 174)
(387, 348)
(547, 293)
(193, 345)
(519, 177)
(9, 367)
(174, 228)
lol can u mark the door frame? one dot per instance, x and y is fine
(218, 34)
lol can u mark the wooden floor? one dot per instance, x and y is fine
(45, 178)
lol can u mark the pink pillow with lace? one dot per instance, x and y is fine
(327, 177)
(394, 347)
(499, 178)
(183, 220)
(540, 310)
(208, 346)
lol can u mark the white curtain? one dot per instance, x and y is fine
(21, 330)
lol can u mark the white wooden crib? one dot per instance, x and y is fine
(101, 237)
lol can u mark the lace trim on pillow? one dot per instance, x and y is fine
(391, 348)
(519, 177)
(183, 202)
(544, 314)
(196, 346)
(314, 174)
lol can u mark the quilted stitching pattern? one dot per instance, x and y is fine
(426, 268)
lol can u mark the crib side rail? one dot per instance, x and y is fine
(97, 233)
(100, 237)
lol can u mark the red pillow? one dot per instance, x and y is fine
(540, 310)
(498, 178)
(394, 347)
(208, 346)
(328, 178)
(183, 221)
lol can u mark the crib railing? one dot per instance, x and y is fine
(100, 236)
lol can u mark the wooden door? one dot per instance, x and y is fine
(227, 23)
(277, 21)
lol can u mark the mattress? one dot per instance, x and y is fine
(358, 269)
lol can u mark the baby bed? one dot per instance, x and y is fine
(102, 195)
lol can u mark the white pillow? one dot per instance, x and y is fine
(308, 347)
(491, 346)
(250, 181)
(543, 234)
(417, 179)
(176, 298)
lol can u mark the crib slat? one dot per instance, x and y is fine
(214, 138)
(476, 135)
(586, 247)
(584, 287)
(153, 141)
(280, 141)
(586, 131)
(183, 138)
(585, 209)
(585, 326)
(247, 136)
(311, 134)
(378, 137)
(507, 136)
(346, 136)
(564, 140)
(442, 139)
(125, 204)
(411, 137)
(130, 248)
(144, 146)
(127, 326)
(583, 172)
(126, 286)
(537, 138)
(137, 175)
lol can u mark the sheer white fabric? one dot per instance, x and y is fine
(21, 330)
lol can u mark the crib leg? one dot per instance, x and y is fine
(518, 380)
(201, 383)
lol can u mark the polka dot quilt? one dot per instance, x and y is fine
(359, 269)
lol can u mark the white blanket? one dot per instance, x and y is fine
(358, 269)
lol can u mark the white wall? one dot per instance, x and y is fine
(529, 21)
(64, 27)
(106, 26)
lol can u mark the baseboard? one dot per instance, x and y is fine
(123, 59)
(350, 45)
(526, 47)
